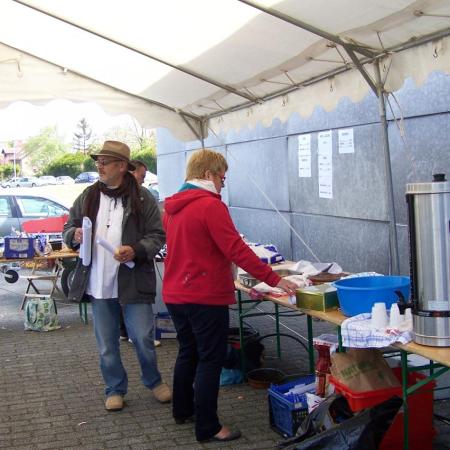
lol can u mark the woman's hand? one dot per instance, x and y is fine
(287, 286)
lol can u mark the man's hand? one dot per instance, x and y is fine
(124, 253)
(287, 286)
(78, 236)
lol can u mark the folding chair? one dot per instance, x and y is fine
(33, 277)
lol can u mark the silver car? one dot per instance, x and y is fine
(47, 179)
(26, 182)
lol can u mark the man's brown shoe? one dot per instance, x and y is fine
(114, 403)
(162, 393)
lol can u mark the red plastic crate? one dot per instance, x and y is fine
(420, 406)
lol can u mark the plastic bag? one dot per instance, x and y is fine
(332, 425)
(41, 314)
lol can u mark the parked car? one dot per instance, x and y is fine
(86, 177)
(48, 179)
(25, 182)
(65, 179)
(154, 190)
(12, 182)
(17, 209)
(150, 178)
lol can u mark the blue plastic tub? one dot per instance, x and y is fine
(358, 295)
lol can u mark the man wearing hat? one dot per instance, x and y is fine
(126, 216)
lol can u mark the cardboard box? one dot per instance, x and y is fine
(322, 297)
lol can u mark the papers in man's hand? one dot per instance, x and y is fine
(107, 246)
(85, 247)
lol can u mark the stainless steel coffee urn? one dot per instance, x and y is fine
(429, 239)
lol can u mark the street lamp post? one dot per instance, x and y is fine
(14, 161)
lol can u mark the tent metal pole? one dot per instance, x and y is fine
(197, 134)
(393, 241)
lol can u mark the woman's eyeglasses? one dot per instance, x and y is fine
(105, 162)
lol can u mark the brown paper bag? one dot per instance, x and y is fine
(363, 370)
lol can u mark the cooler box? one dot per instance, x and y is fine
(19, 247)
(421, 431)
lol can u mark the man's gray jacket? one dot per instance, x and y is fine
(146, 236)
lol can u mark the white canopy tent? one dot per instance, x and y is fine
(196, 65)
(227, 62)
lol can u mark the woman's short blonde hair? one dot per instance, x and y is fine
(203, 160)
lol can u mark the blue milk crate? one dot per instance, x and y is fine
(288, 411)
(164, 327)
(19, 247)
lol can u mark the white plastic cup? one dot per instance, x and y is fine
(379, 316)
(408, 315)
(395, 318)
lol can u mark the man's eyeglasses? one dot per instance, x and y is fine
(105, 162)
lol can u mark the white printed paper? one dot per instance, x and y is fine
(346, 143)
(325, 164)
(107, 246)
(304, 166)
(304, 144)
(326, 187)
(304, 156)
(324, 143)
(85, 247)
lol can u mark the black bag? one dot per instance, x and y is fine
(362, 431)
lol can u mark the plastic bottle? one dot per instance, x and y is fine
(322, 368)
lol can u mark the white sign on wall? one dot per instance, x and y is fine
(346, 142)
(304, 156)
(325, 164)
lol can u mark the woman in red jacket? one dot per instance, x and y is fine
(202, 244)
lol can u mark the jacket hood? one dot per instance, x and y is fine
(178, 201)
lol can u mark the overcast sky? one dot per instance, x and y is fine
(21, 120)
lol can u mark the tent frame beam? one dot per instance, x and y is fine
(189, 72)
(312, 29)
(144, 99)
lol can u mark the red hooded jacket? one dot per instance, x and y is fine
(202, 241)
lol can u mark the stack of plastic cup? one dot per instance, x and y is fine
(395, 318)
(379, 316)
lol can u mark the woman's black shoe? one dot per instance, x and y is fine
(183, 420)
(231, 436)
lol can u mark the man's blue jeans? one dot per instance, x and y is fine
(139, 322)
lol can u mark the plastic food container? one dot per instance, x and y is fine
(357, 295)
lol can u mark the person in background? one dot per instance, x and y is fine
(126, 216)
(140, 169)
(198, 286)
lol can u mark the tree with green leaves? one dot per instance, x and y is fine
(70, 164)
(82, 137)
(44, 148)
(142, 142)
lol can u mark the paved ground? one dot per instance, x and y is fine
(53, 393)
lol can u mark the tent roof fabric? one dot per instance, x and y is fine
(226, 63)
